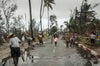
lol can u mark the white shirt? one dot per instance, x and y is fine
(14, 42)
(92, 36)
(23, 38)
(40, 36)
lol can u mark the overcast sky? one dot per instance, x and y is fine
(62, 9)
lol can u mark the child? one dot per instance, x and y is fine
(55, 40)
(23, 39)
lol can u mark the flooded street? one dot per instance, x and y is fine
(26, 24)
(49, 55)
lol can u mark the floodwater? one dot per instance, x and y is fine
(49, 55)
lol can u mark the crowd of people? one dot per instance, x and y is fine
(70, 39)
(14, 42)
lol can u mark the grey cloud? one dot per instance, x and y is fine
(61, 9)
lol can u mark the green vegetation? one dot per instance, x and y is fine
(84, 20)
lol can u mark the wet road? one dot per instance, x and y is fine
(49, 55)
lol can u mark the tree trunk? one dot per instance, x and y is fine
(30, 19)
(51, 38)
(41, 14)
(48, 19)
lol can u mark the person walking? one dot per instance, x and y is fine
(29, 39)
(67, 38)
(23, 39)
(55, 40)
(92, 38)
(71, 40)
(15, 48)
(40, 38)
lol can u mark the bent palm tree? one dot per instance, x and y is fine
(48, 4)
(45, 3)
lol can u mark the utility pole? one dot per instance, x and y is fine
(30, 12)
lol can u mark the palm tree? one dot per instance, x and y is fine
(61, 28)
(67, 26)
(45, 3)
(41, 10)
(48, 4)
(82, 17)
(53, 20)
(30, 19)
(87, 13)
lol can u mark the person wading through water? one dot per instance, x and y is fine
(40, 38)
(15, 48)
(55, 38)
(67, 38)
